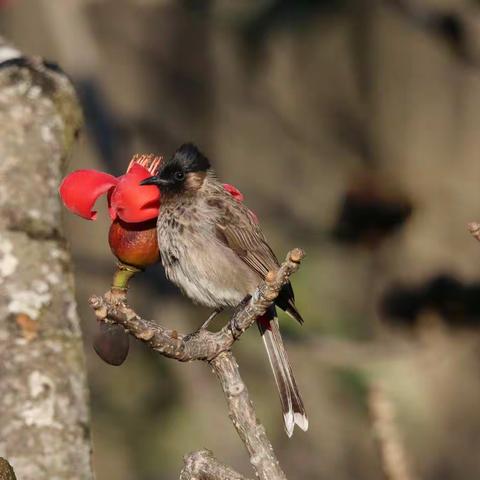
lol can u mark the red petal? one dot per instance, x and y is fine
(80, 189)
(238, 195)
(234, 192)
(133, 202)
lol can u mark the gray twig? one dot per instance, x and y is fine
(203, 465)
(474, 229)
(203, 345)
(243, 416)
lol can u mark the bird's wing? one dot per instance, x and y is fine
(237, 228)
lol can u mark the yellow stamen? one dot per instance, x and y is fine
(149, 161)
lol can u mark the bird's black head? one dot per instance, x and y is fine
(185, 170)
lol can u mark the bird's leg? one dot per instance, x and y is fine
(210, 318)
(205, 323)
(234, 328)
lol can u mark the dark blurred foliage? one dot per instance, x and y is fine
(455, 301)
(369, 213)
(447, 22)
(286, 13)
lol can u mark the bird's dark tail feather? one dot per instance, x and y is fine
(286, 301)
(292, 404)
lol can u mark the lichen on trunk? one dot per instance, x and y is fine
(44, 417)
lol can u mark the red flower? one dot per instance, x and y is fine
(132, 236)
(127, 200)
(133, 208)
(238, 195)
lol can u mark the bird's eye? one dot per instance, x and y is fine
(179, 176)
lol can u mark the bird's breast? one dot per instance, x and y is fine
(195, 260)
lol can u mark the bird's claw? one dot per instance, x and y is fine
(234, 327)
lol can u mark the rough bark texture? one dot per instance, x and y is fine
(244, 418)
(213, 347)
(6, 470)
(44, 415)
(202, 465)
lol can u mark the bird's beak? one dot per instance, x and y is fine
(155, 180)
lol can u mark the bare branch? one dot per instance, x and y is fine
(243, 416)
(213, 347)
(474, 229)
(203, 465)
(203, 345)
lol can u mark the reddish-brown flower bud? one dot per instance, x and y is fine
(134, 243)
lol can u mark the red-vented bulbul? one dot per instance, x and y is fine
(212, 247)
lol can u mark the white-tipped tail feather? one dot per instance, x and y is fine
(292, 404)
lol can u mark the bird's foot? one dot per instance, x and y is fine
(234, 327)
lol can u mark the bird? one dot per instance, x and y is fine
(212, 247)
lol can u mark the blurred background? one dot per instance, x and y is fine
(351, 126)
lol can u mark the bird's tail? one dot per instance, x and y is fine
(292, 404)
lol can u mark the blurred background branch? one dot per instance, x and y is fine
(390, 447)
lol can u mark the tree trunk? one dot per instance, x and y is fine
(44, 416)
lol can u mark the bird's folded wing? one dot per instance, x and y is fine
(239, 232)
(237, 229)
